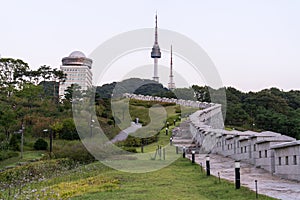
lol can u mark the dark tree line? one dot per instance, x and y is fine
(269, 109)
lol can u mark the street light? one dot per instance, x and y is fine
(237, 175)
(50, 139)
(207, 166)
(91, 126)
(183, 151)
(193, 156)
(167, 131)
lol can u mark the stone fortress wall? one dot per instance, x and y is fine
(278, 154)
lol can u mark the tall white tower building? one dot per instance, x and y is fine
(171, 84)
(155, 53)
(78, 69)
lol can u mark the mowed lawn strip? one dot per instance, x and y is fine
(180, 180)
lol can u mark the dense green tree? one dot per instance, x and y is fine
(68, 131)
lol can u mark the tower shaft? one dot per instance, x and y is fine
(155, 53)
(155, 74)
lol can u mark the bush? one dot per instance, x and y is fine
(68, 131)
(8, 154)
(40, 144)
(130, 149)
(73, 150)
(14, 143)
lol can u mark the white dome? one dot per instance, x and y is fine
(77, 54)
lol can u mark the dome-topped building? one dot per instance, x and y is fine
(77, 58)
(78, 69)
(77, 54)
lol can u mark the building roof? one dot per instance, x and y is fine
(77, 54)
(286, 144)
(274, 139)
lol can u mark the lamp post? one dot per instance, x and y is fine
(207, 166)
(183, 151)
(174, 122)
(50, 139)
(237, 175)
(91, 127)
(193, 156)
(171, 140)
(168, 124)
(167, 131)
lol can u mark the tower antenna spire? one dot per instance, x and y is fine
(155, 53)
(171, 84)
(156, 36)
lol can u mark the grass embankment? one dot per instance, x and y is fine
(27, 156)
(180, 180)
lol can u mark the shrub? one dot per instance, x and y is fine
(68, 131)
(73, 150)
(8, 154)
(14, 143)
(130, 149)
(40, 144)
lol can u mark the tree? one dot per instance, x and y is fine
(201, 93)
(45, 72)
(73, 91)
(184, 93)
(14, 142)
(7, 119)
(69, 132)
(12, 74)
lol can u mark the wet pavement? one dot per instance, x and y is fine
(268, 184)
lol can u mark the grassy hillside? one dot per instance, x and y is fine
(180, 180)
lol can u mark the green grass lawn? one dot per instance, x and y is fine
(27, 156)
(180, 180)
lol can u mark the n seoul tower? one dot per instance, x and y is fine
(155, 53)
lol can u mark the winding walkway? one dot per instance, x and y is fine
(124, 133)
(268, 184)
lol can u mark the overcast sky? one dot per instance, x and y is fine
(253, 44)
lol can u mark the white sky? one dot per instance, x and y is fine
(254, 44)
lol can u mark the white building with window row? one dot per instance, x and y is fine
(77, 67)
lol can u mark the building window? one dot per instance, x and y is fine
(266, 153)
(231, 146)
(259, 154)
(241, 149)
(245, 149)
(295, 160)
(254, 147)
(279, 161)
(287, 160)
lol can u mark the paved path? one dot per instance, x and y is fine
(268, 184)
(124, 133)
